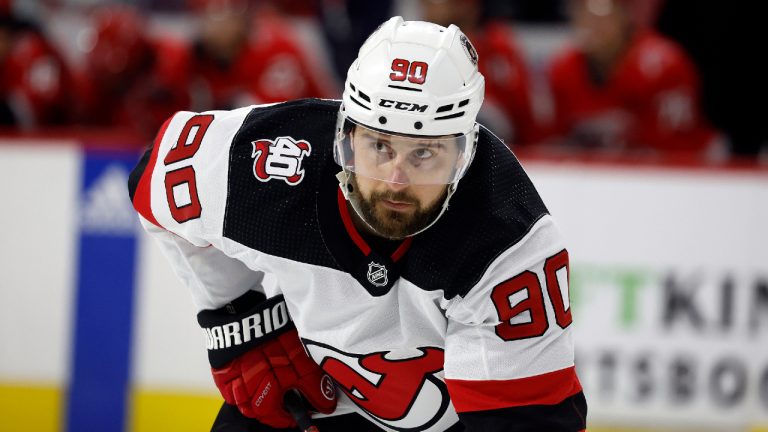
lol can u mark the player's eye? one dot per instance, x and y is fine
(382, 147)
(423, 153)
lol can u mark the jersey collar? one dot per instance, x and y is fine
(377, 272)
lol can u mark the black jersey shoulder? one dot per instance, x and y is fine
(494, 207)
(273, 216)
(138, 171)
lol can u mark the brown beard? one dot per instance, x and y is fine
(393, 224)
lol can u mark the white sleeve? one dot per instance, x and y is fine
(181, 197)
(188, 184)
(509, 339)
(213, 278)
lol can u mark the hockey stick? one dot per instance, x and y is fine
(294, 404)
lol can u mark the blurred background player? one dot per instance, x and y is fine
(287, 71)
(621, 86)
(508, 108)
(131, 80)
(223, 59)
(346, 24)
(242, 53)
(35, 82)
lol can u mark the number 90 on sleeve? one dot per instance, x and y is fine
(181, 183)
(529, 282)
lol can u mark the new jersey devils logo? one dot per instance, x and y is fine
(280, 159)
(400, 393)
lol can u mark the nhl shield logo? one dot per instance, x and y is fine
(377, 274)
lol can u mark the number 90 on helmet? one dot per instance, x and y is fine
(410, 101)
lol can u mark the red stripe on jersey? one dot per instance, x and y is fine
(142, 199)
(402, 249)
(351, 230)
(546, 389)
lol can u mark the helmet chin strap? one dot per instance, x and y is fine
(344, 178)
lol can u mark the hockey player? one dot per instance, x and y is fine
(624, 87)
(131, 81)
(322, 254)
(35, 81)
(241, 52)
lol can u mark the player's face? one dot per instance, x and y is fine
(601, 26)
(396, 210)
(394, 200)
(224, 32)
(405, 160)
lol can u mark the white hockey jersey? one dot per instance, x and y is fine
(469, 316)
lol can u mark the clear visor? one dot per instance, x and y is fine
(402, 159)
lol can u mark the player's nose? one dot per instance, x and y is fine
(398, 179)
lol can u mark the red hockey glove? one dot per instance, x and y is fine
(256, 357)
(256, 381)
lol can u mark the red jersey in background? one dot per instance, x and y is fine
(286, 72)
(508, 107)
(130, 81)
(36, 83)
(270, 67)
(650, 100)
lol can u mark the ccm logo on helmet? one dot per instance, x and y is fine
(402, 106)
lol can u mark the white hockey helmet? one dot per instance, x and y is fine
(417, 81)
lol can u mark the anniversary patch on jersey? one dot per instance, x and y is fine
(401, 393)
(280, 159)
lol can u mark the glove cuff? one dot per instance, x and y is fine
(242, 324)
